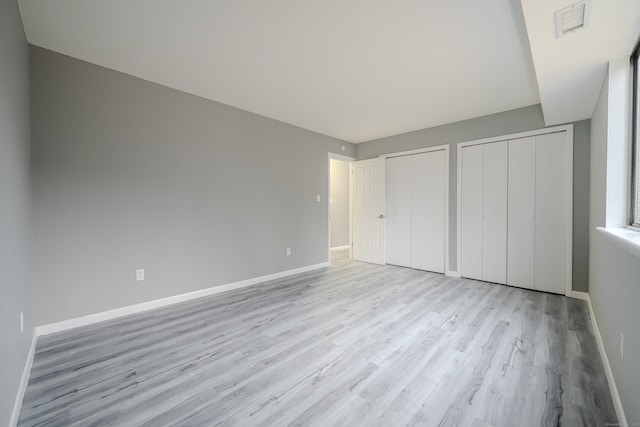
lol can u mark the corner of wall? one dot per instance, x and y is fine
(24, 381)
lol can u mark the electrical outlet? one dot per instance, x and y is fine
(288, 251)
(621, 345)
(140, 275)
(21, 322)
(318, 198)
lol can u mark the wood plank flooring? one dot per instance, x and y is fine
(353, 344)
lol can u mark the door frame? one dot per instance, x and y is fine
(568, 188)
(348, 159)
(445, 148)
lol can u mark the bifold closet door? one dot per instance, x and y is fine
(494, 212)
(514, 206)
(471, 212)
(398, 211)
(483, 223)
(521, 212)
(428, 210)
(551, 211)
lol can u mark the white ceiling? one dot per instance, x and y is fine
(352, 69)
(570, 69)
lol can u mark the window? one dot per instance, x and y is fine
(635, 160)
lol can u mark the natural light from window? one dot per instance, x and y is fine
(635, 173)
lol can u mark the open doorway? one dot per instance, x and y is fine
(339, 204)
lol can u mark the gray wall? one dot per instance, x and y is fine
(581, 191)
(614, 276)
(614, 290)
(339, 208)
(519, 120)
(129, 174)
(15, 224)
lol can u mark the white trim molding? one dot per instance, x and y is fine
(628, 239)
(349, 160)
(149, 305)
(535, 132)
(569, 212)
(342, 157)
(339, 248)
(24, 381)
(416, 151)
(450, 273)
(617, 402)
(579, 295)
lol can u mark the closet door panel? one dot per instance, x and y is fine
(550, 229)
(521, 212)
(398, 211)
(494, 208)
(471, 212)
(427, 211)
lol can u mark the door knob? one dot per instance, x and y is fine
(380, 216)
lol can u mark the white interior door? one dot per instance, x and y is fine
(471, 212)
(428, 210)
(522, 205)
(368, 210)
(494, 207)
(398, 211)
(550, 229)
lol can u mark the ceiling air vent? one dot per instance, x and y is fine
(572, 18)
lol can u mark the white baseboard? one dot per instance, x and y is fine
(149, 305)
(580, 295)
(338, 248)
(24, 381)
(617, 403)
(450, 273)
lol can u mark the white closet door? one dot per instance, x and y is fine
(521, 212)
(367, 202)
(398, 211)
(427, 211)
(494, 207)
(471, 212)
(551, 193)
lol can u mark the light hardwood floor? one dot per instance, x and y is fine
(354, 344)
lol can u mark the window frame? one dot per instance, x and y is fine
(634, 205)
